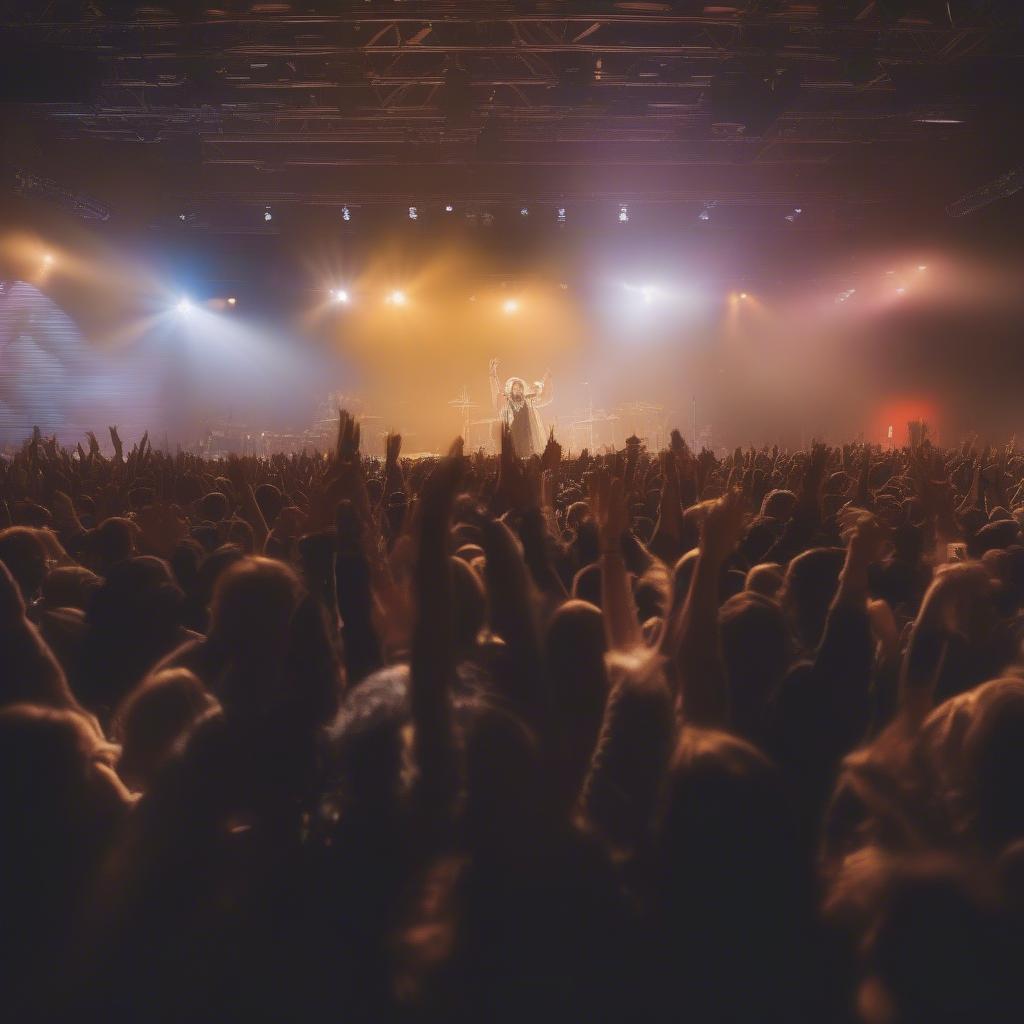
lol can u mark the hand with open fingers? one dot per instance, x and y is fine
(347, 448)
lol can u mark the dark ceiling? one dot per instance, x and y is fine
(847, 110)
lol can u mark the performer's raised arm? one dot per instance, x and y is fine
(545, 394)
(495, 386)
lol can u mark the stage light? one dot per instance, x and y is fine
(743, 295)
(48, 259)
(181, 217)
(561, 215)
(792, 216)
(340, 296)
(346, 213)
(704, 214)
(414, 213)
(649, 292)
(623, 214)
(267, 215)
(232, 300)
(448, 208)
(397, 298)
(524, 212)
(922, 266)
(184, 305)
(901, 290)
(510, 306)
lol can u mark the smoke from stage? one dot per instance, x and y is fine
(634, 345)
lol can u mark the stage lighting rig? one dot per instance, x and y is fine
(623, 214)
(28, 184)
(1002, 187)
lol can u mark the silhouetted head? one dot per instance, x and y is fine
(755, 645)
(586, 585)
(153, 718)
(252, 607)
(811, 582)
(111, 542)
(23, 553)
(766, 579)
(69, 586)
(778, 504)
(270, 501)
(213, 507)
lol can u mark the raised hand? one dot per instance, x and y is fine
(607, 501)
(347, 445)
(723, 526)
(115, 440)
(392, 448)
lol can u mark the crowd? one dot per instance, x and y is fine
(638, 736)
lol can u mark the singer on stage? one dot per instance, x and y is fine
(517, 407)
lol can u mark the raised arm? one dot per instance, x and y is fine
(433, 662)
(608, 505)
(495, 386)
(545, 395)
(701, 668)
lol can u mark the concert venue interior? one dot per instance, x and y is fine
(757, 268)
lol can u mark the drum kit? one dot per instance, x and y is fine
(477, 433)
(598, 429)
